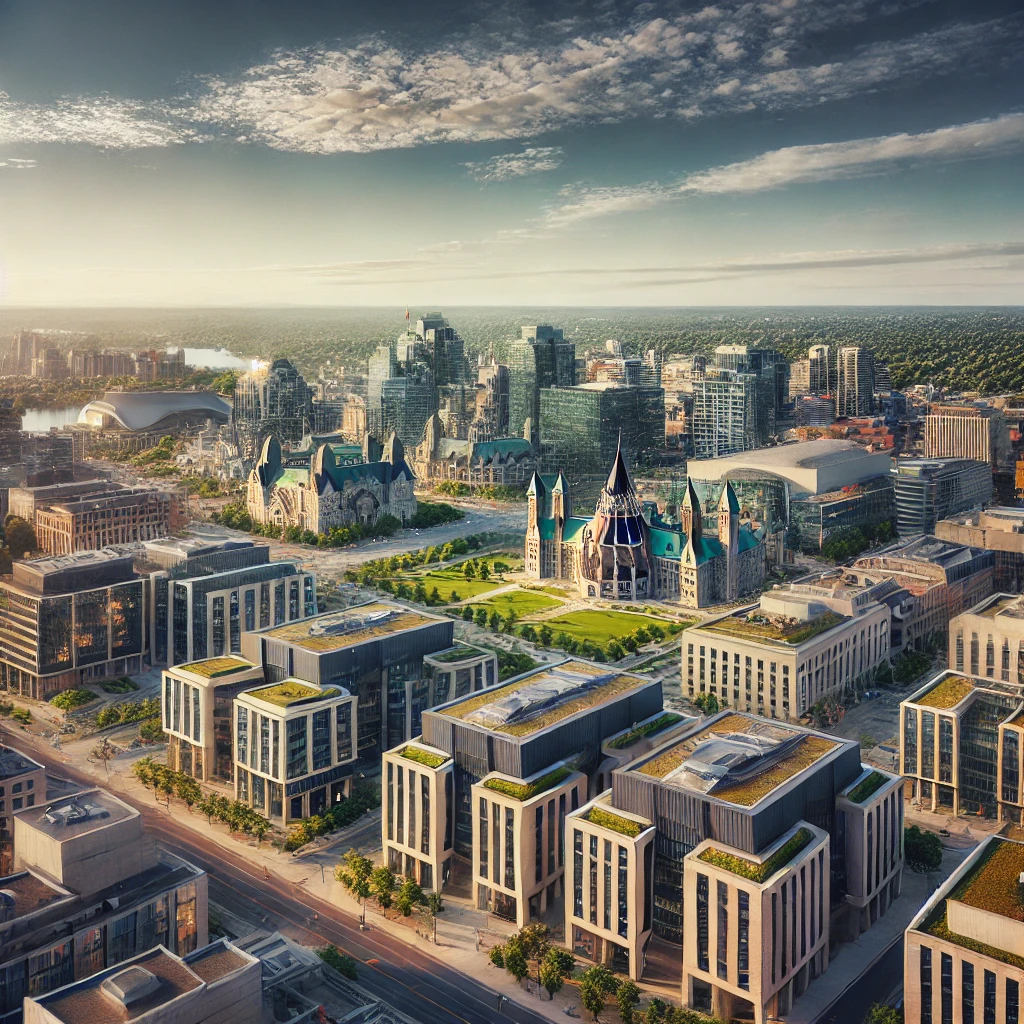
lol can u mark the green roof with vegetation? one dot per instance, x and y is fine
(615, 822)
(750, 869)
(759, 627)
(528, 790)
(291, 691)
(994, 885)
(425, 757)
(652, 728)
(947, 693)
(867, 787)
(211, 668)
(458, 653)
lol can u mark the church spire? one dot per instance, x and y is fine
(619, 483)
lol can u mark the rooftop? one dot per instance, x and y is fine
(458, 652)
(946, 693)
(211, 668)
(737, 758)
(14, 762)
(290, 692)
(543, 698)
(339, 630)
(759, 870)
(216, 961)
(29, 893)
(138, 410)
(772, 629)
(74, 815)
(1005, 606)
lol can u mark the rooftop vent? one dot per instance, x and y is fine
(127, 987)
(73, 812)
(350, 623)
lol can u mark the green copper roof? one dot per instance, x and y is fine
(573, 528)
(547, 529)
(666, 543)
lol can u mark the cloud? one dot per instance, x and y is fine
(16, 164)
(829, 161)
(531, 160)
(376, 94)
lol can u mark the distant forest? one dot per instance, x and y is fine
(972, 349)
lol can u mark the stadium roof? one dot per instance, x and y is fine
(141, 410)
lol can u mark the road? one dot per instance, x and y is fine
(851, 1006)
(402, 975)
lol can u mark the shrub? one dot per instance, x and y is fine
(69, 700)
(128, 711)
(341, 962)
(751, 869)
(120, 685)
(434, 513)
(152, 730)
(336, 816)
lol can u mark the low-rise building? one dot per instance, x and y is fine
(22, 784)
(294, 747)
(90, 891)
(799, 645)
(1000, 530)
(988, 639)
(67, 619)
(456, 671)
(963, 951)
(197, 713)
(218, 984)
(375, 651)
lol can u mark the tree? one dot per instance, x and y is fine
(435, 903)
(409, 895)
(497, 956)
(382, 886)
(551, 978)
(555, 968)
(187, 790)
(453, 597)
(536, 940)
(485, 572)
(615, 650)
(258, 827)
(467, 614)
(510, 621)
(480, 617)
(515, 958)
(879, 1013)
(544, 635)
(434, 597)
(208, 806)
(922, 850)
(494, 621)
(469, 570)
(20, 536)
(419, 594)
(627, 999)
(596, 984)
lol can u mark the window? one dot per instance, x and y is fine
(593, 879)
(623, 891)
(551, 837)
(966, 992)
(510, 849)
(775, 923)
(242, 735)
(496, 841)
(577, 874)
(412, 811)
(723, 930)
(218, 627)
(538, 836)
(185, 919)
(121, 942)
(1012, 1001)
(990, 998)
(321, 739)
(483, 838)
(607, 885)
(296, 750)
(234, 632)
(89, 951)
(909, 741)
(926, 985)
(400, 805)
(391, 801)
(250, 610)
(702, 922)
(196, 717)
(928, 744)
(264, 744)
(561, 830)
(743, 946)
(425, 814)
(343, 730)
(946, 981)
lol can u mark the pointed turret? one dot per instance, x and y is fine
(394, 450)
(619, 483)
(728, 501)
(270, 461)
(691, 515)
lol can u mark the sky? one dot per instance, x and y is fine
(441, 152)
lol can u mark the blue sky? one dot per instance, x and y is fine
(254, 151)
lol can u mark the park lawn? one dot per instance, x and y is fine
(447, 580)
(601, 626)
(522, 602)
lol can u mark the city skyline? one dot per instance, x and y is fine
(793, 153)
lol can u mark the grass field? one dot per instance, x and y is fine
(601, 626)
(522, 602)
(447, 580)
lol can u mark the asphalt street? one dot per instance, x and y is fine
(417, 984)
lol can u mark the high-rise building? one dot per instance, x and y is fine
(730, 413)
(446, 351)
(928, 490)
(968, 432)
(382, 367)
(988, 639)
(580, 426)
(855, 382)
(273, 400)
(406, 404)
(542, 358)
(491, 419)
(770, 367)
(820, 371)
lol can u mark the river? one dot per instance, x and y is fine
(40, 420)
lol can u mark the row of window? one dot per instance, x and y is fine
(308, 741)
(613, 870)
(1011, 658)
(404, 801)
(961, 1007)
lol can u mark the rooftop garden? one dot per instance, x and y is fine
(292, 692)
(672, 758)
(211, 668)
(746, 794)
(867, 787)
(588, 699)
(994, 883)
(615, 822)
(659, 724)
(425, 757)
(298, 632)
(939, 927)
(947, 693)
(761, 627)
(528, 790)
(750, 869)
(458, 653)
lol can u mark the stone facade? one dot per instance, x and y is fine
(327, 494)
(504, 461)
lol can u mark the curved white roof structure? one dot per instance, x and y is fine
(145, 410)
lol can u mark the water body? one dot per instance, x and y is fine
(40, 420)
(215, 359)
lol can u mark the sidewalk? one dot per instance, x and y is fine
(854, 958)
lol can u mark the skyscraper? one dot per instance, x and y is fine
(272, 400)
(729, 413)
(382, 366)
(407, 403)
(855, 382)
(819, 372)
(542, 358)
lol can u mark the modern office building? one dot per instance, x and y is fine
(197, 713)
(769, 366)
(381, 367)
(797, 646)
(813, 411)
(541, 358)
(407, 403)
(730, 413)
(90, 891)
(735, 816)
(855, 382)
(928, 490)
(294, 748)
(977, 432)
(988, 639)
(22, 784)
(327, 491)
(963, 951)
(272, 399)
(503, 768)
(581, 427)
(960, 746)
(457, 671)
(375, 651)
(1000, 530)
(69, 619)
(944, 580)
(218, 984)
